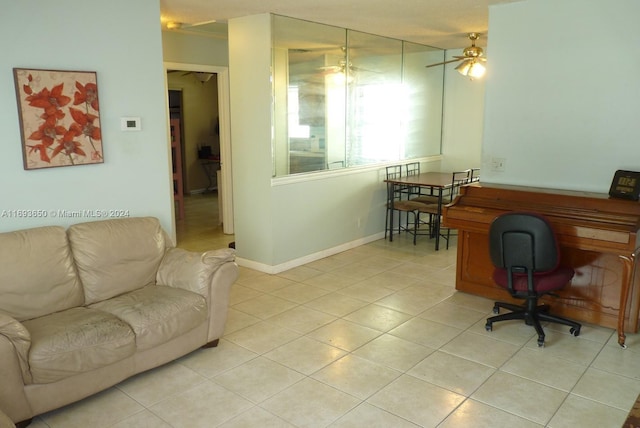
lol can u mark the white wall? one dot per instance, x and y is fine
(463, 115)
(563, 94)
(194, 49)
(250, 88)
(125, 50)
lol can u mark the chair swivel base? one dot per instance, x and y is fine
(531, 316)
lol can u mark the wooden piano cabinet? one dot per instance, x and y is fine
(601, 249)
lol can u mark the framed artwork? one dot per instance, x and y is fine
(59, 117)
(625, 185)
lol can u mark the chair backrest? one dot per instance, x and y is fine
(458, 178)
(461, 177)
(475, 175)
(394, 171)
(523, 242)
(412, 168)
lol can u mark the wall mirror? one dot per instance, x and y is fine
(343, 98)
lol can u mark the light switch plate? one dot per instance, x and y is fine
(498, 164)
(130, 124)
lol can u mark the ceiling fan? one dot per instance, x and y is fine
(200, 75)
(340, 67)
(472, 59)
(343, 66)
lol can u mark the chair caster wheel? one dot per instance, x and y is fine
(488, 327)
(575, 331)
(540, 343)
(496, 310)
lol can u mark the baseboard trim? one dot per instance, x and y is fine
(308, 258)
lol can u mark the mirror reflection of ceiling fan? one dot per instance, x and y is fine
(472, 58)
(200, 75)
(342, 66)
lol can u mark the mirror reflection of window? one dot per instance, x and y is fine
(296, 128)
(375, 99)
(344, 98)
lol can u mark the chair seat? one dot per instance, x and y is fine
(408, 205)
(428, 208)
(426, 199)
(544, 281)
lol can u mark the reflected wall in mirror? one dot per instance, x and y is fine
(344, 98)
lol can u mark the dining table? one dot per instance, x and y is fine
(430, 183)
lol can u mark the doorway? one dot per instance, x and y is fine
(217, 138)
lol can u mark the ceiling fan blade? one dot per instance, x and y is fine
(444, 62)
(197, 24)
(330, 68)
(367, 70)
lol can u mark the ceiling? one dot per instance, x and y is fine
(438, 23)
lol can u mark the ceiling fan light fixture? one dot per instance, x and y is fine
(472, 60)
(471, 68)
(203, 77)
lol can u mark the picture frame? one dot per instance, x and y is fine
(59, 116)
(625, 185)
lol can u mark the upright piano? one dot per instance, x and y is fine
(598, 237)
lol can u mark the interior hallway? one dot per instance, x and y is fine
(201, 229)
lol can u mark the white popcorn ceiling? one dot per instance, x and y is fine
(439, 23)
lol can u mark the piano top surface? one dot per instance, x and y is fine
(593, 219)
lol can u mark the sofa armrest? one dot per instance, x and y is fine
(223, 279)
(210, 274)
(20, 338)
(13, 400)
(191, 270)
(5, 420)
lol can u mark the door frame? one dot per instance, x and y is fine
(224, 116)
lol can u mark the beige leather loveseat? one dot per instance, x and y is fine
(85, 308)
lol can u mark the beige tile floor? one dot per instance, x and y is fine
(376, 336)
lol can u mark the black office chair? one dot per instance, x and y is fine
(525, 254)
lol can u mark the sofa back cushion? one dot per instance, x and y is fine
(38, 275)
(116, 256)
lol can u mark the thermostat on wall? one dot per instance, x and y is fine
(130, 124)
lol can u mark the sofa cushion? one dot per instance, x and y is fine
(76, 341)
(116, 256)
(37, 276)
(157, 313)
